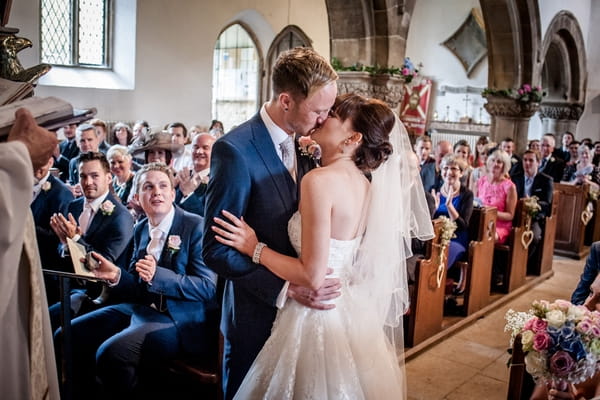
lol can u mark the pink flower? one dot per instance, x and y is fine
(107, 207)
(527, 88)
(541, 341)
(405, 71)
(520, 91)
(538, 88)
(595, 330)
(539, 325)
(174, 243)
(584, 326)
(561, 363)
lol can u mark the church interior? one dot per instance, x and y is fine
(464, 64)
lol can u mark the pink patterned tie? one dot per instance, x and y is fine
(85, 217)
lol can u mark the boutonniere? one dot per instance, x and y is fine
(552, 159)
(107, 207)
(173, 244)
(308, 147)
(512, 160)
(46, 186)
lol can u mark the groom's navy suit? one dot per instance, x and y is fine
(249, 179)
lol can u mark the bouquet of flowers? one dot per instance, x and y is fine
(562, 341)
(525, 94)
(532, 206)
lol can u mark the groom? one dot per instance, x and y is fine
(255, 176)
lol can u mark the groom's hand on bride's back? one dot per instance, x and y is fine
(315, 298)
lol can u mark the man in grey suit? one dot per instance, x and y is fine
(255, 173)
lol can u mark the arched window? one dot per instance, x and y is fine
(236, 67)
(76, 33)
(291, 36)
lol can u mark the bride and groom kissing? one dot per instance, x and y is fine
(349, 223)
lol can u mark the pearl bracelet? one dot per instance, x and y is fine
(257, 252)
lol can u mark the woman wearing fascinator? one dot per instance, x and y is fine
(361, 230)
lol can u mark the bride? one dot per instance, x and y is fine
(360, 229)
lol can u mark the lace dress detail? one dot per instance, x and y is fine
(313, 354)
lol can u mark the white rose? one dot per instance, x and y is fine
(576, 313)
(527, 340)
(556, 318)
(536, 363)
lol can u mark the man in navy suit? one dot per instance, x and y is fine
(427, 171)
(255, 173)
(50, 196)
(98, 221)
(550, 164)
(534, 183)
(589, 274)
(68, 150)
(191, 192)
(171, 305)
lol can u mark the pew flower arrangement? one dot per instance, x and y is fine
(561, 340)
(446, 234)
(532, 207)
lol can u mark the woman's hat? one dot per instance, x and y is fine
(155, 140)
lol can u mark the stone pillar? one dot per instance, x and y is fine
(510, 118)
(388, 88)
(557, 118)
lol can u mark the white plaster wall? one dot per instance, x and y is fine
(174, 53)
(581, 9)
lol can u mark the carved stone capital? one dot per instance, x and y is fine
(383, 87)
(507, 107)
(561, 111)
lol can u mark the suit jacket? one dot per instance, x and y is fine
(188, 287)
(68, 150)
(590, 271)
(195, 202)
(542, 187)
(516, 166)
(428, 174)
(74, 171)
(249, 179)
(554, 167)
(109, 235)
(55, 200)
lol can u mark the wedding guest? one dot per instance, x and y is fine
(463, 150)
(583, 171)
(426, 162)
(550, 164)
(157, 147)
(442, 148)
(120, 167)
(87, 141)
(566, 140)
(573, 155)
(101, 131)
(596, 159)
(121, 134)
(481, 142)
(516, 165)
(534, 145)
(478, 172)
(497, 190)
(68, 150)
(141, 128)
(179, 136)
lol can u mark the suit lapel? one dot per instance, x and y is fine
(167, 256)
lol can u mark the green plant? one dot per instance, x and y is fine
(408, 70)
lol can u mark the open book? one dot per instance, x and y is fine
(49, 112)
(11, 91)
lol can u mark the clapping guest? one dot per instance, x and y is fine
(121, 134)
(455, 201)
(120, 167)
(583, 171)
(497, 190)
(193, 183)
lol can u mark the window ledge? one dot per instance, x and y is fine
(87, 78)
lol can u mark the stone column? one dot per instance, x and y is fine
(510, 118)
(559, 117)
(388, 88)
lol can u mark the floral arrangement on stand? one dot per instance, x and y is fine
(408, 70)
(525, 94)
(532, 207)
(561, 340)
(447, 233)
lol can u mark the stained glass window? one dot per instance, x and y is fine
(75, 32)
(235, 77)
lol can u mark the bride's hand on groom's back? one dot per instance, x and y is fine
(314, 298)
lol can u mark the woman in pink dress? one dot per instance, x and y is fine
(497, 190)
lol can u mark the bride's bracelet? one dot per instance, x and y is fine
(257, 252)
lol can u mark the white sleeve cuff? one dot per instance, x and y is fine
(282, 295)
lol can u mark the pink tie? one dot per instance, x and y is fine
(85, 217)
(155, 247)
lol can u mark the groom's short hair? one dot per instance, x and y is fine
(300, 71)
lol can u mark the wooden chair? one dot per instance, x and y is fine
(427, 298)
(547, 244)
(482, 231)
(570, 229)
(511, 257)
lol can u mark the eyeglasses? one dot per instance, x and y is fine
(453, 169)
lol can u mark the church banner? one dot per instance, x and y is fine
(414, 106)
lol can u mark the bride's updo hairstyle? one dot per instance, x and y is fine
(375, 120)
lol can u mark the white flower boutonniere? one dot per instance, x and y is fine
(107, 207)
(552, 159)
(174, 243)
(46, 186)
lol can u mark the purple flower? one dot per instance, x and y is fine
(405, 71)
(520, 91)
(527, 88)
(541, 341)
(561, 363)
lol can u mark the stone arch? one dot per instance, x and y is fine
(513, 34)
(563, 60)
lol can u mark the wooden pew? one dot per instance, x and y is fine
(570, 228)
(592, 229)
(482, 230)
(427, 298)
(516, 371)
(548, 236)
(511, 257)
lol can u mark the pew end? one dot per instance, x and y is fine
(570, 229)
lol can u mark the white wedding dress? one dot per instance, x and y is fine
(333, 354)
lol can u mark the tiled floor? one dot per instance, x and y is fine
(471, 364)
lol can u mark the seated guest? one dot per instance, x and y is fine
(566, 140)
(50, 196)
(455, 201)
(550, 164)
(535, 183)
(157, 147)
(98, 221)
(68, 150)
(101, 131)
(516, 166)
(442, 148)
(481, 142)
(583, 171)
(141, 128)
(120, 166)
(121, 134)
(573, 155)
(171, 294)
(179, 135)
(426, 162)
(463, 150)
(192, 184)
(216, 128)
(596, 159)
(87, 141)
(534, 145)
(497, 190)
(478, 172)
